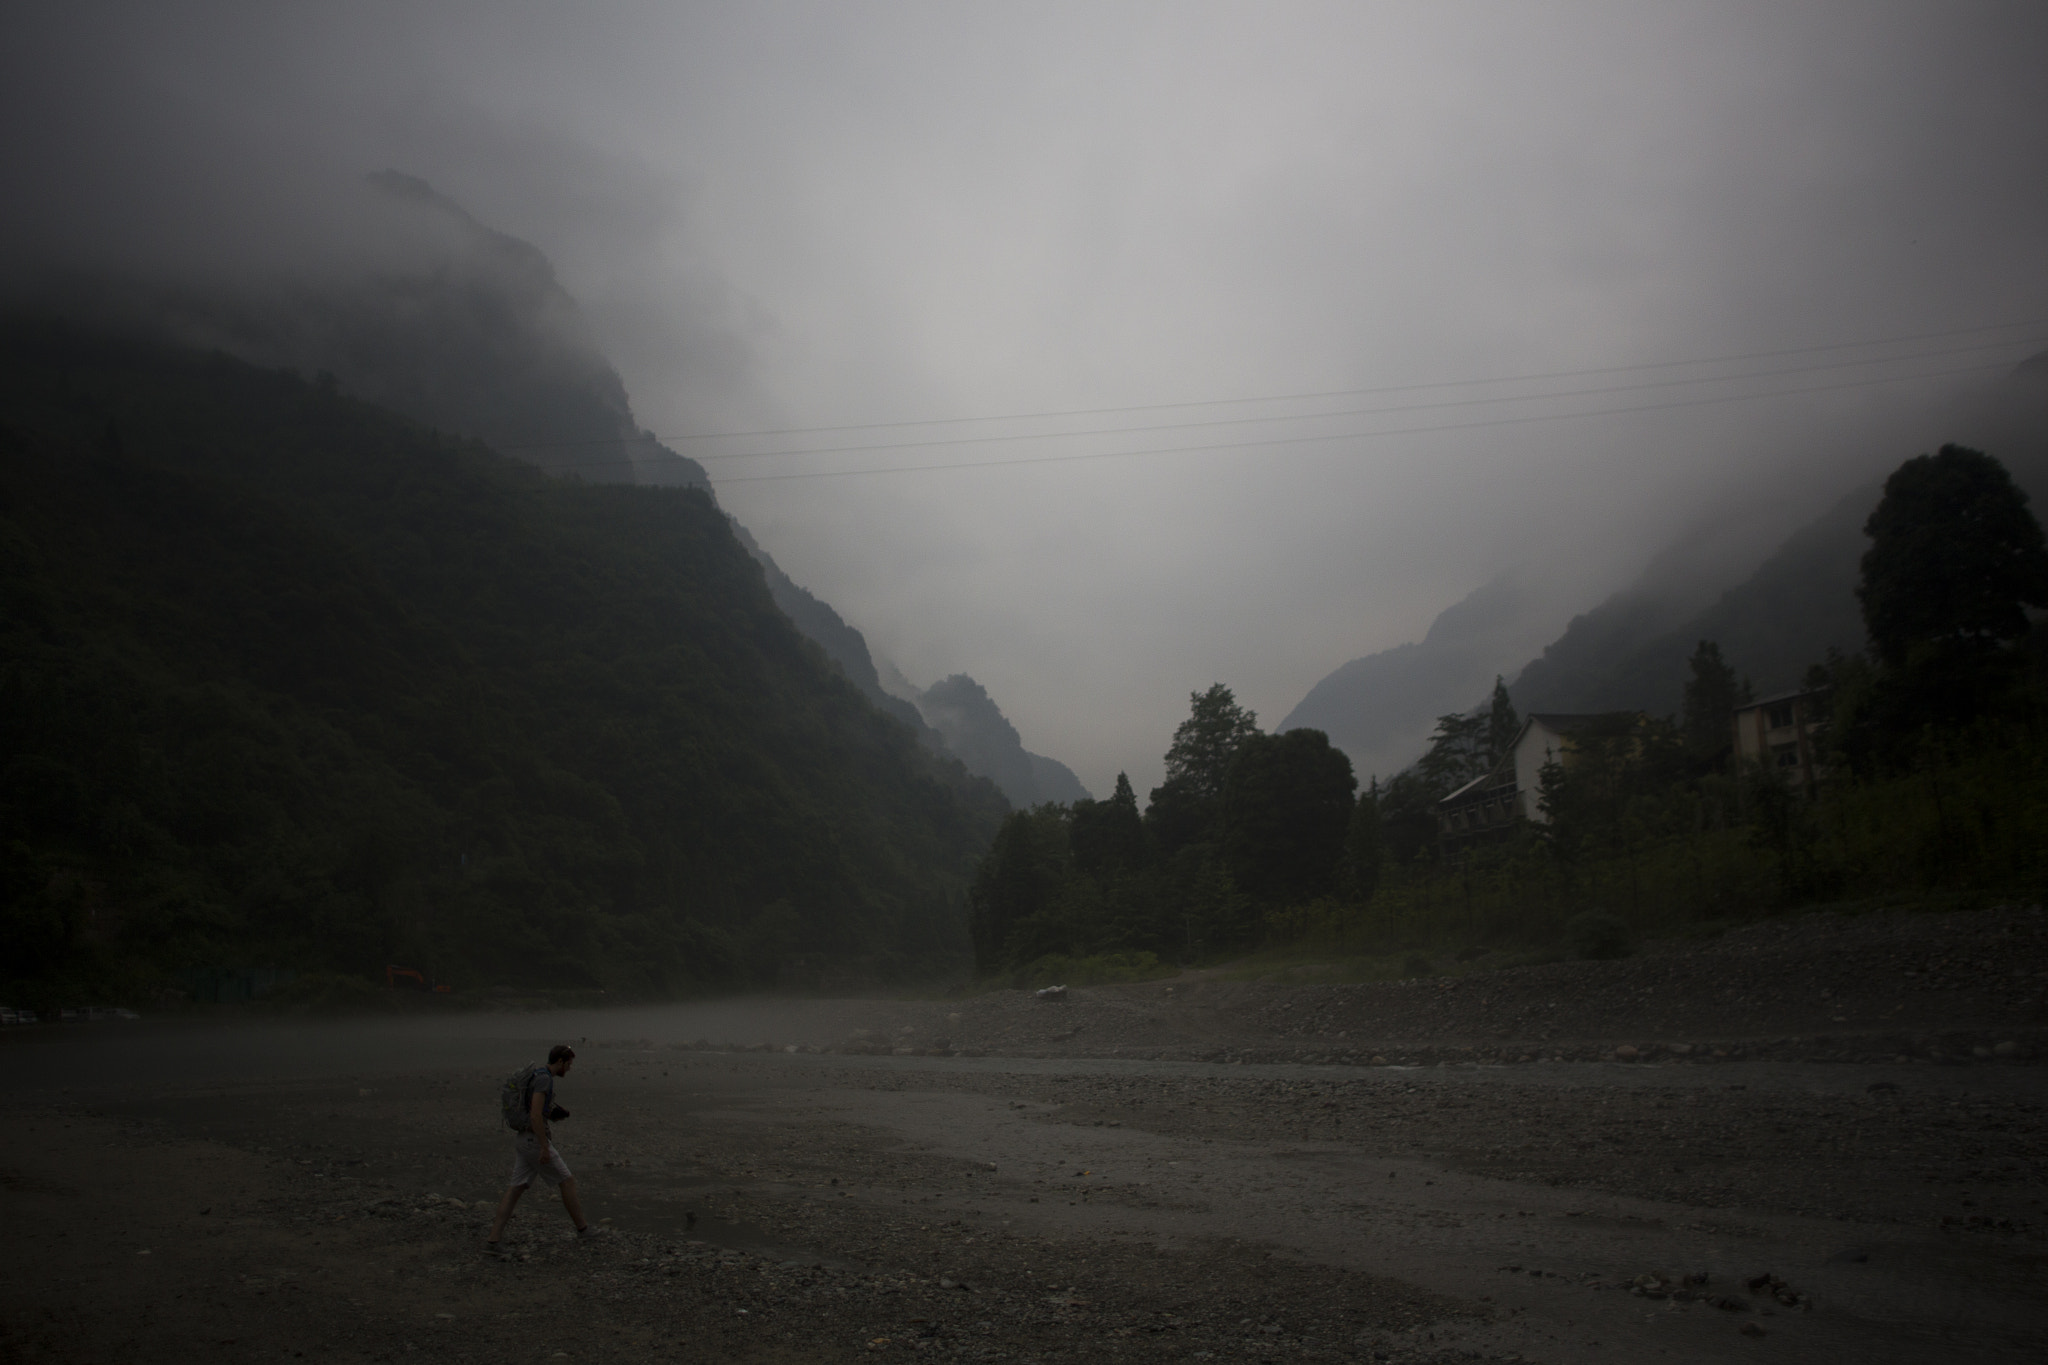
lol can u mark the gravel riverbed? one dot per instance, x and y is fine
(1806, 1140)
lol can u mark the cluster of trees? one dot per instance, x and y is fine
(292, 682)
(1951, 690)
(1252, 834)
(1244, 822)
(1956, 558)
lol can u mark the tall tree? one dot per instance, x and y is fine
(1020, 878)
(1954, 558)
(1711, 695)
(1184, 808)
(1286, 808)
(1109, 836)
(1457, 754)
(1207, 740)
(1364, 847)
(1502, 724)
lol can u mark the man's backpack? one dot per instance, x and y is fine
(515, 1097)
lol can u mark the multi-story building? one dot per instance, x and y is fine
(1506, 795)
(1781, 733)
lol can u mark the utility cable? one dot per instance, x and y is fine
(1352, 435)
(1439, 405)
(1348, 412)
(1302, 397)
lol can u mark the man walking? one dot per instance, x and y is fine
(530, 1109)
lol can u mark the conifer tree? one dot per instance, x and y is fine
(1711, 695)
(1502, 724)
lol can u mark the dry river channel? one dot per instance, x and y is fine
(320, 1191)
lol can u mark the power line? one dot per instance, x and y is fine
(1439, 405)
(1300, 397)
(1353, 435)
(1352, 412)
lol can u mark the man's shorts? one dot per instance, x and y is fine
(526, 1162)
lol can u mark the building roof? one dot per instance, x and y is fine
(1558, 722)
(1564, 722)
(1478, 781)
(1776, 698)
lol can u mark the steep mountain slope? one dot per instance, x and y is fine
(1630, 652)
(1799, 603)
(292, 681)
(1055, 780)
(1796, 606)
(436, 316)
(975, 730)
(1378, 708)
(467, 329)
(843, 644)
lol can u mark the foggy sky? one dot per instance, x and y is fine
(800, 215)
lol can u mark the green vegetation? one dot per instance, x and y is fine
(1962, 823)
(1936, 790)
(287, 681)
(1244, 824)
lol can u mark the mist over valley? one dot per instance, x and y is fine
(1132, 682)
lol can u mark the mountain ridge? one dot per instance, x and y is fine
(294, 680)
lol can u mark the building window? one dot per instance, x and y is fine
(1785, 755)
(1781, 715)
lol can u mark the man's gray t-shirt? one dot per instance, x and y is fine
(541, 1082)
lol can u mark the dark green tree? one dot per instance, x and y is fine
(1109, 836)
(1407, 816)
(1019, 880)
(1184, 808)
(1207, 740)
(1364, 847)
(1711, 695)
(1599, 794)
(1457, 754)
(1502, 724)
(1287, 805)
(1954, 558)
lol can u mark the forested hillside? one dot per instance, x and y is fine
(1782, 619)
(1628, 653)
(974, 727)
(1378, 708)
(291, 681)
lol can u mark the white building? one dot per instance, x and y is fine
(1781, 732)
(1496, 801)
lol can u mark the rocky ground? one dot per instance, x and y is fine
(1930, 988)
(1811, 1140)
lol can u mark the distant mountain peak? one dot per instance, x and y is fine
(982, 738)
(1379, 707)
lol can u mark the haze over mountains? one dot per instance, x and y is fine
(975, 730)
(1630, 651)
(436, 315)
(295, 681)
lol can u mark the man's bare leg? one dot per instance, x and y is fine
(505, 1206)
(573, 1204)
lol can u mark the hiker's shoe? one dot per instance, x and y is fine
(592, 1230)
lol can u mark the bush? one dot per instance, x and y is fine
(1596, 935)
(1417, 964)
